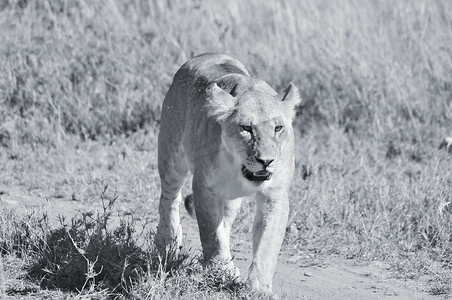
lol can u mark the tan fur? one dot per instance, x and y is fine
(216, 119)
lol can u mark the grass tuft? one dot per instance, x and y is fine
(86, 254)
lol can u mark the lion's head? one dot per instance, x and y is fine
(256, 125)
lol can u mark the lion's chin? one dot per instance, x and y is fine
(259, 176)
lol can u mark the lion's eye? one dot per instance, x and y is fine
(246, 128)
(278, 128)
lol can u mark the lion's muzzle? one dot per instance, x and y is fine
(262, 175)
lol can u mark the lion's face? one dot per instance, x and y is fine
(256, 127)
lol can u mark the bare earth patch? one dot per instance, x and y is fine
(343, 279)
(333, 278)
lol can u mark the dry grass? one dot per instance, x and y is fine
(371, 182)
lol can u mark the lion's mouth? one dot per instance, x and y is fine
(256, 176)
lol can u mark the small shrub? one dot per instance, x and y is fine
(87, 253)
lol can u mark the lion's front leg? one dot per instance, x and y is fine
(215, 216)
(268, 233)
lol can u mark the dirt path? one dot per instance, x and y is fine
(341, 279)
(336, 278)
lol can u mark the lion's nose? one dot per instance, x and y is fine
(264, 162)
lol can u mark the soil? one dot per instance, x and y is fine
(341, 279)
(333, 278)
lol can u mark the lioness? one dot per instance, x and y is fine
(234, 133)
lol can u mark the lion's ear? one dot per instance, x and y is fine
(291, 97)
(220, 103)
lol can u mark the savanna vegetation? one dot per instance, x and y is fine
(81, 86)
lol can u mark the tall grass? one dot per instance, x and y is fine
(102, 68)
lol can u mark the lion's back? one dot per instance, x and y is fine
(182, 114)
(194, 76)
(211, 67)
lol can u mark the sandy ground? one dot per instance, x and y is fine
(340, 279)
(334, 278)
